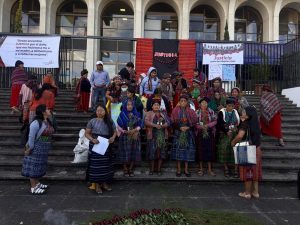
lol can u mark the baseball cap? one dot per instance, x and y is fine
(99, 63)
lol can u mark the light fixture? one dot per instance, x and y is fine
(122, 10)
(124, 18)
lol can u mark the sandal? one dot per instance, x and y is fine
(226, 173)
(188, 174)
(131, 173)
(37, 190)
(159, 173)
(200, 173)
(236, 174)
(150, 173)
(99, 190)
(178, 174)
(255, 195)
(244, 195)
(106, 187)
(125, 173)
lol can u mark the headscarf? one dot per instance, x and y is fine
(151, 69)
(126, 116)
(269, 105)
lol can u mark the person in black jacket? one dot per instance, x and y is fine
(165, 103)
(126, 72)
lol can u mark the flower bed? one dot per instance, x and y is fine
(147, 217)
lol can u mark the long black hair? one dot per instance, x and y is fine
(253, 125)
(40, 109)
(107, 119)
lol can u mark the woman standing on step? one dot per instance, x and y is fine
(100, 169)
(37, 148)
(270, 114)
(18, 78)
(157, 122)
(250, 175)
(184, 119)
(83, 90)
(129, 125)
(240, 101)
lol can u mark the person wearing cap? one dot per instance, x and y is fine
(179, 84)
(126, 72)
(157, 123)
(227, 123)
(240, 101)
(197, 90)
(167, 87)
(149, 83)
(164, 105)
(99, 81)
(184, 121)
(217, 102)
(26, 94)
(270, 114)
(205, 136)
(216, 86)
(48, 79)
(83, 90)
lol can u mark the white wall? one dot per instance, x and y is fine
(293, 94)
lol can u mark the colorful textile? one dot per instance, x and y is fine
(83, 85)
(129, 149)
(128, 119)
(114, 92)
(215, 103)
(150, 119)
(177, 115)
(253, 172)
(225, 151)
(179, 153)
(115, 110)
(18, 77)
(269, 106)
(211, 92)
(273, 128)
(14, 96)
(83, 103)
(206, 146)
(100, 168)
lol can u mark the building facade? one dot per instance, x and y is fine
(248, 20)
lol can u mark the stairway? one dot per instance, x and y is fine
(280, 164)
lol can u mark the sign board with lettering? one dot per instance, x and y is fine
(34, 51)
(215, 53)
(214, 71)
(228, 72)
(225, 72)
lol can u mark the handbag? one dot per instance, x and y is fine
(244, 153)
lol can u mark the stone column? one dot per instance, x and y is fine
(138, 19)
(44, 16)
(230, 18)
(185, 25)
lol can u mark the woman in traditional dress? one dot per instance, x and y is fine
(149, 83)
(197, 91)
(48, 79)
(18, 78)
(216, 86)
(156, 122)
(113, 91)
(184, 120)
(179, 84)
(37, 148)
(228, 120)
(217, 102)
(270, 114)
(83, 90)
(100, 168)
(205, 136)
(167, 88)
(240, 101)
(134, 98)
(251, 174)
(165, 103)
(129, 126)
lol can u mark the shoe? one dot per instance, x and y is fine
(255, 195)
(159, 173)
(125, 173)
(105, 187)
(188, 174)
(99, 190)
(211, 173)
(244, 195)
(37, 190)
(236, 174)
(178, 174)
(43, 186)
(150, 173)
(226, 173)
(200, 173)
(131, 173)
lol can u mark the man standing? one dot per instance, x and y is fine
(127, 72)
(99, 81)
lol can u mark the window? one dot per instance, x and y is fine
(204, 23)
(248, 25)
(289, 22)
(30, 16)
(161, 22)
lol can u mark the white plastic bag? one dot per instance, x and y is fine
(81, 150)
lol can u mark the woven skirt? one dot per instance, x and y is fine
(179, 153)
(129, 149)
(206, 147)
(14, 96)
(35, 164)
(225, 151)
(154, 153)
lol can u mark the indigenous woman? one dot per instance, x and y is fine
(48, 79)
(37, 148)
(129, 125)
(113, 91)
(217, 102)
(167, 88)
(156, 122)
(25, 96)
(124, 88)
(216, 86)
(100, 168)
(83, 90)
(184, 119)
(228, 120)
(179, 84)
(205, 136)
(149, 83)
(164, 105)
(270, 118)
(18, 78)
(240, 101)
(135, 99)
(251, 174)
(197, 91)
